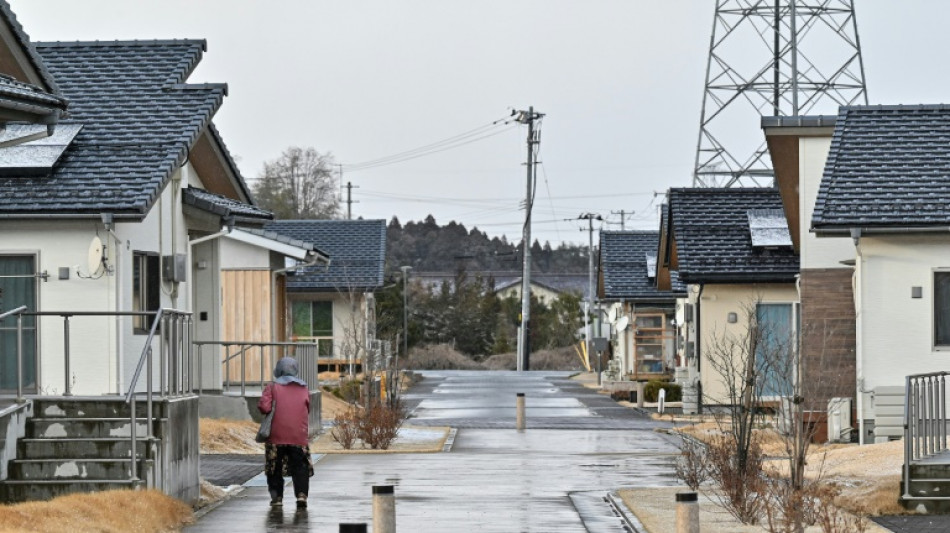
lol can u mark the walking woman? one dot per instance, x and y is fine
(287, 451)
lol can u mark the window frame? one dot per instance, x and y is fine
(937, 347)
(149, 284)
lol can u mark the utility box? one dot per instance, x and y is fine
(839, 420)
(175, 268)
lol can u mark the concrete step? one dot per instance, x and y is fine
(98, 448)
(928, 480)
(50, 428)
(93, 406)
(21, 491)
(74, 469)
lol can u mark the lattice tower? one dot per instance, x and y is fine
(772, 58)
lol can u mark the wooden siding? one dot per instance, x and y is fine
(246, 316)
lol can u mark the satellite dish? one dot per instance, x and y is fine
(622, 324)
(95, 258)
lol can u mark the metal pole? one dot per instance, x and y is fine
(794, 39)
(405, 314)
(69, 391)
(19, 359)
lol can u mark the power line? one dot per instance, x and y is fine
(455, 141)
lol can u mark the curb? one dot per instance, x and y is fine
(630, 520)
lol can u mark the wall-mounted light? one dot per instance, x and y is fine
(732, 318)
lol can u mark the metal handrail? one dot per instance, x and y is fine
(19, 349)
(925, 420)
(66, 315)
(305, 353)
(172, 320)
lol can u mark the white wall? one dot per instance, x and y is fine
(895, 333)
(824, 252)
(243, 256)
(66, 244)
(715, 305)
(95, 367)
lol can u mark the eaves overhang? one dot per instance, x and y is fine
(301, 252)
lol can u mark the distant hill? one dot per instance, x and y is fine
(428, 247)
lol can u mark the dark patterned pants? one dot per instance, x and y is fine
(283, 460)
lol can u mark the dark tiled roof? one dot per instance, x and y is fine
(623, 256)
(139, 121)
(357, 250)
(223, 206)
(27, 98)
(889, 166)
(711, 228)
(10, 18)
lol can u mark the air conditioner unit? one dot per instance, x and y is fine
(839, 420)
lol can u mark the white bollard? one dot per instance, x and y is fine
(519, 412)
(640, 394)
(661, 401)
(384, 509)
(687, 512)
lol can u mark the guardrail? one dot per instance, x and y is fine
(925, 420)
(264, 356)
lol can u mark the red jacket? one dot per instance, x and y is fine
(291, 419)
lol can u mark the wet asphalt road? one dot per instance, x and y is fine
(549, 478)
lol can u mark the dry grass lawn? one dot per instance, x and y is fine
(115, 511)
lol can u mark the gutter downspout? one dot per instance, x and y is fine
(108, 221)
(273, 287)
(858, 344)
(697, 344)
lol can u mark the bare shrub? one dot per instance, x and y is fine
(379, 425)
(691, 465)
(741, 482)
(831, 518)
(552, 359)
(347, 428)
(439, 357)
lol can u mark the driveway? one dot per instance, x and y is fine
(552, 477)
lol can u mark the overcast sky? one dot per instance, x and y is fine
(620, 82)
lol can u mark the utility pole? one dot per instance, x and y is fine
(527, 117)
(349, 200)
(623, 218)
(591, 217)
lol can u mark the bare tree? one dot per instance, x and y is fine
(761, 370)
(298, 185)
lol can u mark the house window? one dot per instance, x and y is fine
(146, 294)
(778, 341)
(942, 309)
(313, 321)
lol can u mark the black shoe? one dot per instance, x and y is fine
(301, 502)
(276, 503)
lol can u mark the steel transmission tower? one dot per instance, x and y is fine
(772, 58)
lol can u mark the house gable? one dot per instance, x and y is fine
(625, 269)
(18, 59)
(139, 122)
(783, 136)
